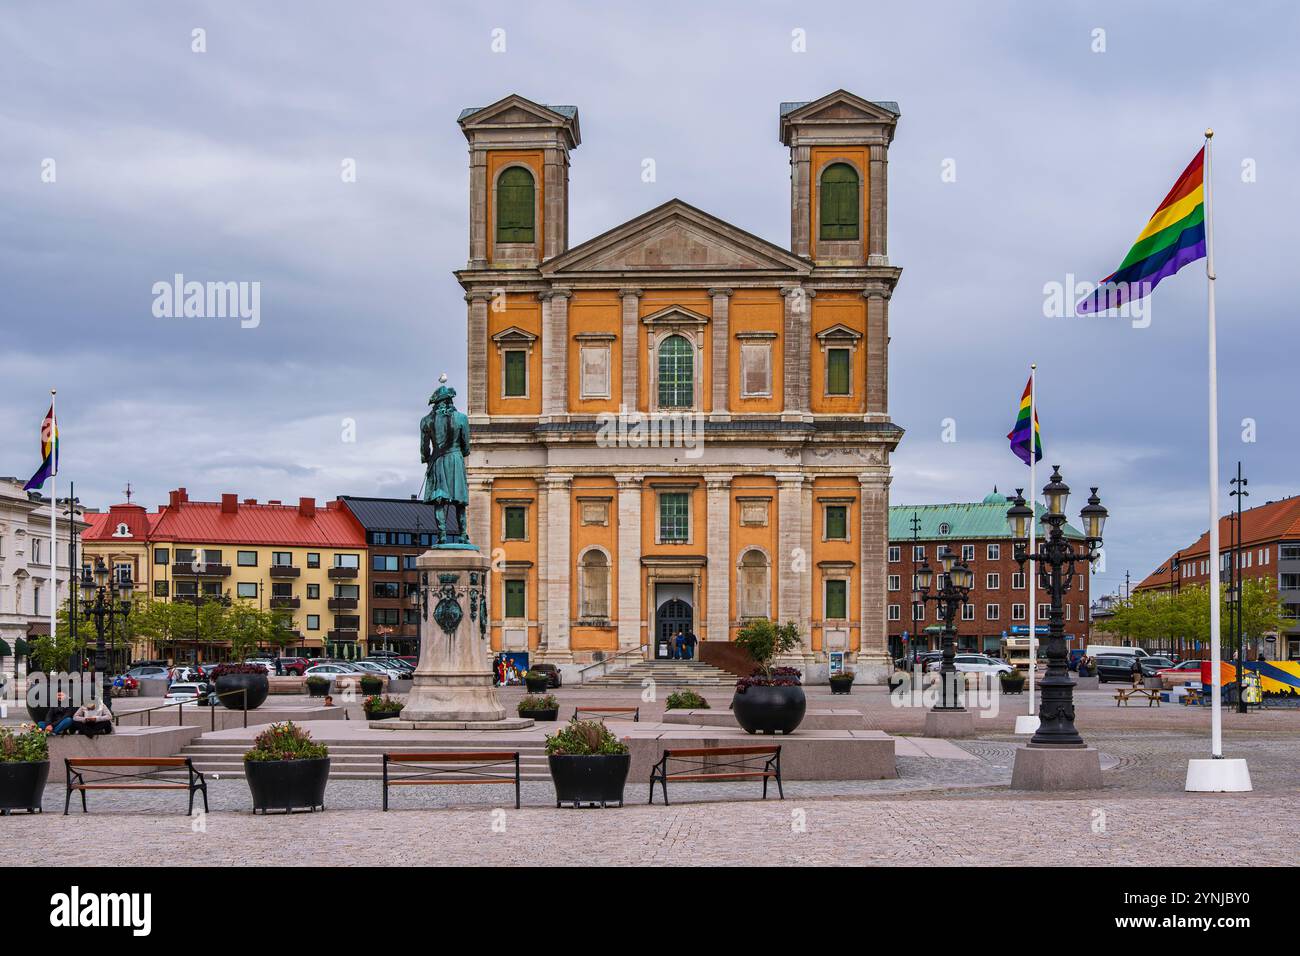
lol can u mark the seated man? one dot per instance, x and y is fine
(93, 718)
(58, 719)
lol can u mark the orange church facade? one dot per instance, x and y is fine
(678, 424)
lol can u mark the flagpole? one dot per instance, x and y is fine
(1033, 523)
(54, 512)
(1215, 774)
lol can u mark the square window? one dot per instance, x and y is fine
(837, 599)
(313, 622)
(895, 582)
(246, 589)
(895, 553)
(161, 555)
(839, 362)
(516, 518)
(160, 589)
(968, 612)
(991, 612)
(992, 581)
(515, 605)
(837, 522)
(994, 552)
(674, 517)
(313, 592)
(918, 552)
(313, 559)
(246, 559)
(516, 373)
(895, 612)
(968, 553)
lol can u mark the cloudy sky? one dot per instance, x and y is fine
(225, 165)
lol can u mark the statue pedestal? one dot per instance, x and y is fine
(453, 680)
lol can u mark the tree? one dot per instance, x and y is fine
(766, 639)
(1161, 615)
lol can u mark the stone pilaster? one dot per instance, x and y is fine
(629, 561)
(559, 567)
(555, 354)
(873, 651)
(478, 201)
(791, 565)
(721, 353)
(630, 341)
(541, 572)
(796, 331)
(807, 581)
(555, 213)
(800, 214)
(477, 359)
(878, 207)
(720, 572)
(479, 513)
(877, 353)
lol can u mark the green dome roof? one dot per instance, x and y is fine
(995, 498)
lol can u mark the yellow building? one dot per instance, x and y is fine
(678, 424)
(306, 560)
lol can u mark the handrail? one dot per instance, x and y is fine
(180, 708)
(643, 650)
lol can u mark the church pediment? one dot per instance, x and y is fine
(673, 238)
(517, 112)
(837, 109)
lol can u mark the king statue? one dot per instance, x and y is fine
(444, 443)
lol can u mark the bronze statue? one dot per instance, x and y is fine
(444, 443)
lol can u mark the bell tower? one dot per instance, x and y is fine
(518, 181)
(839, 162)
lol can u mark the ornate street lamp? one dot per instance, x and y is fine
(954, 588)
(1056, 559)
(102, 604)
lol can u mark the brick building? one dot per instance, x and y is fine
(977, 533)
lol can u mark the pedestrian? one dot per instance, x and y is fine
(677, 646)
(691, 641)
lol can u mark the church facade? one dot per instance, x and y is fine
(678, 424)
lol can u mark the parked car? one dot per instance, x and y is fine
(293, 666)
(396, 668)
(1181, 674)
(1117, 667)
(378, 670)
(1152, 665)
(148, 672)
(190, 690)
(973, 663)
(330, 670)
(262, 662)
(553, 676)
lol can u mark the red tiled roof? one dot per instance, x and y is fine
(103, 526)
(225, 522)
(1275, 521)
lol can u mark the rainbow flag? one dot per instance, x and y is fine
(1173, 237)
(49, 451)
(1023, 439)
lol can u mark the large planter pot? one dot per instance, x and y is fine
(321, 691)
(382, 714)
(371, 688)
(770, 710)
(22, 785)
(595, 779)
(1013, 686)
(551, 714)
(537, 685)
(841, 686)
(287, 784)
(257, 685)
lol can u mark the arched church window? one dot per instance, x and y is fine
(515, 210)
(840, 206)
(755, 590)
(593, 585)
(676, 373)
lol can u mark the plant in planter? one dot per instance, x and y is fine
(536, 682)
(842, 683)
(686, 700)
(317, 686)
(370, 684)
(382, 708)
(771, 700)
(543, 707)
(1013, 682)
(588, 764)
(286, 769)
(24, 768)
(230, 679)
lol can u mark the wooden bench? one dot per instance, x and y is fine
(1193, 696)
(112, 774)
(1125, 694)
(472, 766)
(619, 712)
(708, 764)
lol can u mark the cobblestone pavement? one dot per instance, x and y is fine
(939, 811)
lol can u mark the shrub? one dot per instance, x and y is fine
(370, 684)
(285, 741)
(584, 738)
(776, 677)
(382, 705)
(27, 746)
(315, 680)
(225, 670)
(844, 676)
(686, 700)
(538, 702)
(766, 639)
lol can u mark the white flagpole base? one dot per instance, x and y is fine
(1218, 776)
(1027, 724)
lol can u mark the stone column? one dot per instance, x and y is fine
(873, 653)
(555, 178)
(808, 580)
(476, 363)
(791, 565)
(721, 354)
(630, 340)
(555, 354)
(796, 328)
(479, 513)
(720, 572)
(478, 202)
(877, 353)
(878, 207)
(629, 561)
(559, 568)
(541, 570)
(800, 220)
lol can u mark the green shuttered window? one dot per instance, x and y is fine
(516, 373)
(515, 597)
(837, 595)
(838, 365)
(840, 207)
(515, 205)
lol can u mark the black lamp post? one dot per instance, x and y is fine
(951, 595)
(1056, 558)
(105, 600)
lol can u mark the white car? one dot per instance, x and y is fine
(329, 670)
(973, 663)
(379, 669)
(268, 665)
(178, 693)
